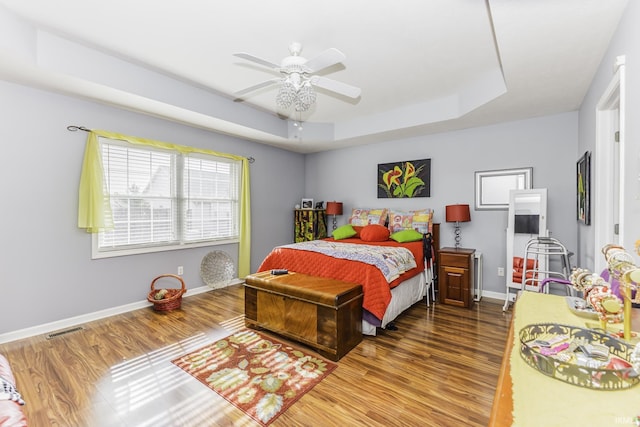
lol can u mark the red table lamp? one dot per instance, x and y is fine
(458, 214)
(334, 208)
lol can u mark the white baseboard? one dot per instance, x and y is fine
(78, 320)
(494, 295)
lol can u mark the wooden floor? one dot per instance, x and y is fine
(440, 368)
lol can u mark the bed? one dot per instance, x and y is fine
(386, 294)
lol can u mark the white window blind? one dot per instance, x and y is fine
(211, 192)
(162, 199)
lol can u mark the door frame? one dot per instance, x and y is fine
(610, 117)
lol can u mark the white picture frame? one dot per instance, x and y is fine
(306, 204)
(493, 187)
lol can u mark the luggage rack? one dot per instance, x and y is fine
(540, 250)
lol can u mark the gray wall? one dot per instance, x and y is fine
(46, 269)
(548, 144)
(625, 42)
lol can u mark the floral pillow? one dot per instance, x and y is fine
(362, 217)
(420, 221)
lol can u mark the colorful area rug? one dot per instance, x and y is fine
(258, 374)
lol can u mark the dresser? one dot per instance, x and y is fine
(309, 224)
(456, 276)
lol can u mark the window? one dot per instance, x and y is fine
(162, 199)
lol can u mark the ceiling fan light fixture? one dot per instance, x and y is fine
(296, 87)
(286, 95)
(299, 93)
(306, 96)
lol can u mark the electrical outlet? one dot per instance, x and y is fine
(180, 270)
(500, 271)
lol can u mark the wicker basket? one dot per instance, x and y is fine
(173, 297)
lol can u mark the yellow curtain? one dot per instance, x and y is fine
(94, 207)
(94, 210)
(244, 249)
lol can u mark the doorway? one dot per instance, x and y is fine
(609, 167)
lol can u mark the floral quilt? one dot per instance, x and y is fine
(391, 261)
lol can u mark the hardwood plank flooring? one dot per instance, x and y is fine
(440, 368)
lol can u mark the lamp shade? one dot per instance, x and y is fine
(458, 213)
(334, 208)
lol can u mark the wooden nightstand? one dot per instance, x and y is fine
(456, 276)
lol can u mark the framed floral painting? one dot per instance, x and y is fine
(406, 179)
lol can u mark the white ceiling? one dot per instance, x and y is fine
(424, 66)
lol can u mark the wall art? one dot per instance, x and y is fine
(406, 179)
(583, 184)
(307, 203)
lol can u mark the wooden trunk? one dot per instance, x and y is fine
(325, 314)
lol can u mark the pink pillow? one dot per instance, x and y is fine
(374, 233)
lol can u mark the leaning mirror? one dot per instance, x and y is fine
(492, 187)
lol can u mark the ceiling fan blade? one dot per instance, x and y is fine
(326, 59)
(257, 60)
(258, 86)
(336, 86)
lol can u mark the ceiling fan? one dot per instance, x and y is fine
(298, 77)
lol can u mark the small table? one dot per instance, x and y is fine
(456, 273)
(478, 283)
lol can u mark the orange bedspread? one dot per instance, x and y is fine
(376, 290)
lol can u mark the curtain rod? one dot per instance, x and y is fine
(73, 128)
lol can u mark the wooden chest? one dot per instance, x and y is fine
(325, 314)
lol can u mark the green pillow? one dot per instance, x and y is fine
(408, 235)
(344, 232)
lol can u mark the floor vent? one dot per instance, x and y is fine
(63, 332)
